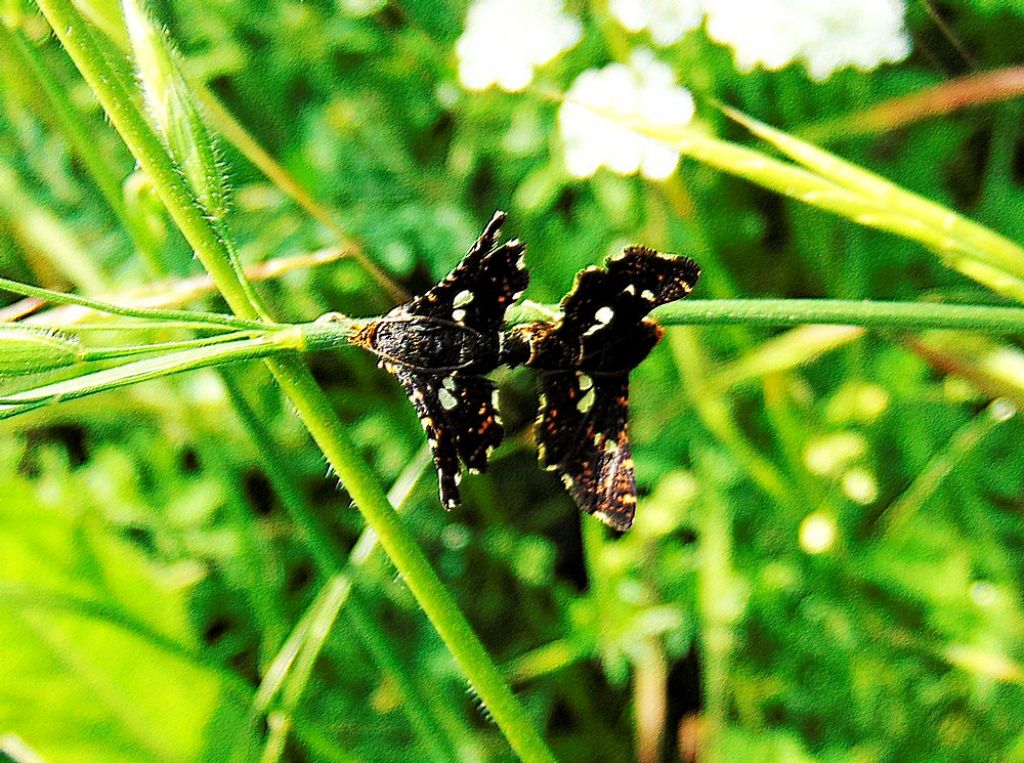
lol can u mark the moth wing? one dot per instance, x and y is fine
(559, 421)
(482, 286)
(583, 434)
(460, 420)
(657, 278)
(605, 306)
(477, 424)
(422, 391)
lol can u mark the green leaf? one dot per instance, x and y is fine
(101, 660)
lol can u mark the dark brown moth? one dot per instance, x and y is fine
(441, 344)
(584, 360)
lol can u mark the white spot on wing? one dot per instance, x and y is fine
(631, 289)
(585, 382)
(648, 295)
(448, 383)
(447, 399)
(603, 316)
(463, 298)
(458, 315)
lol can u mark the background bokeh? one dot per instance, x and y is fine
(827, 559)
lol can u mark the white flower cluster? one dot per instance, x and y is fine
(646, 91)
(505, 40)
(666, 20)
(826, 36)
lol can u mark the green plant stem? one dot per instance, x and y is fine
(308, 640)
(107, 82)
(401, 547)
(148, 369)
(893, 316)
(112, 353)
(330, 560)
(77, 328)
(298, 384)
(191, 316)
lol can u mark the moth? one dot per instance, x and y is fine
(584, 360)
(441, 344)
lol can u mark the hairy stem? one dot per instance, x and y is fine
(298, 384)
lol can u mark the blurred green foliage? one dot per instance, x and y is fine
(827, 562)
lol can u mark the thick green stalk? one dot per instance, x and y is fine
(893, 316)
(330, 560)
(299, 385)
(79, 41)
(401, 547)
